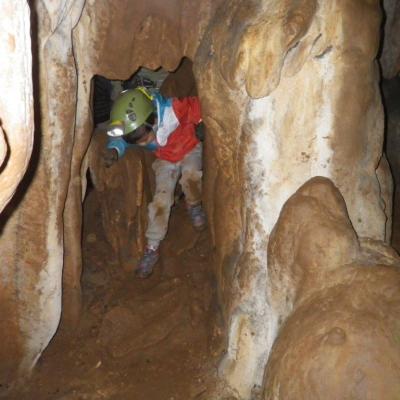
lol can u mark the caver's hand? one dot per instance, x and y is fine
(110, 156)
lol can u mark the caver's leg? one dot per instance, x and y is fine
(159, 209)
(191, 182)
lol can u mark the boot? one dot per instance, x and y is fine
(197, 217)
(147, 262)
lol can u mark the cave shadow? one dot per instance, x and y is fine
(7, 155)
(390, 92)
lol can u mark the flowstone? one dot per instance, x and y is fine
(342, 295)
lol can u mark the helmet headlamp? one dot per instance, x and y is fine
(116, 129)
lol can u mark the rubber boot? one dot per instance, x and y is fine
(197, 217)
(148, 261)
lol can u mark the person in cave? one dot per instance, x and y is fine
(171, 128)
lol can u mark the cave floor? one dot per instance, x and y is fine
(153, 339)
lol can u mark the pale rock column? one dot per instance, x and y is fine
(16, 140)
(32, 242)
(16, 102)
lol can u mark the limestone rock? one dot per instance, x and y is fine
(16, 105)
(341, 336)
(300, 82)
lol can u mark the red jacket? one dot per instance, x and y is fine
(183, 139)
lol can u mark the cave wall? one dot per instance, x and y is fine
(16, 141)
(31, 243)
(311, 107)
(16, 104)
(300, 82)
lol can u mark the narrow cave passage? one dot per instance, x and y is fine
(136, 339)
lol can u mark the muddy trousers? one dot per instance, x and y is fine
(189, 170)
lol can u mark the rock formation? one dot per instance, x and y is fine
(317, 110)
(125, 189)
(339, 301)
(289, 90)
(16, 139)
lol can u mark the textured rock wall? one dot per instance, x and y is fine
(340, 340)
(16, 139)
(316, 110)
(124, 191)
(31, 243)
(16, 104)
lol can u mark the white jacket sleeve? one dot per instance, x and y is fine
(167, 124)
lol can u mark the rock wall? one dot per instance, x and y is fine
(302, 92)
(31, 242)
(124, 191)
(289, 90)
(16, 104)
(16, 140)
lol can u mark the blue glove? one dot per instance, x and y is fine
(120, 145)
(153, 146)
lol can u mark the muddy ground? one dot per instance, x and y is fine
(154, 339)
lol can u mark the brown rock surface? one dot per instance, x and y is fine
(340, 333)
(181, 82)
(125, 190)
